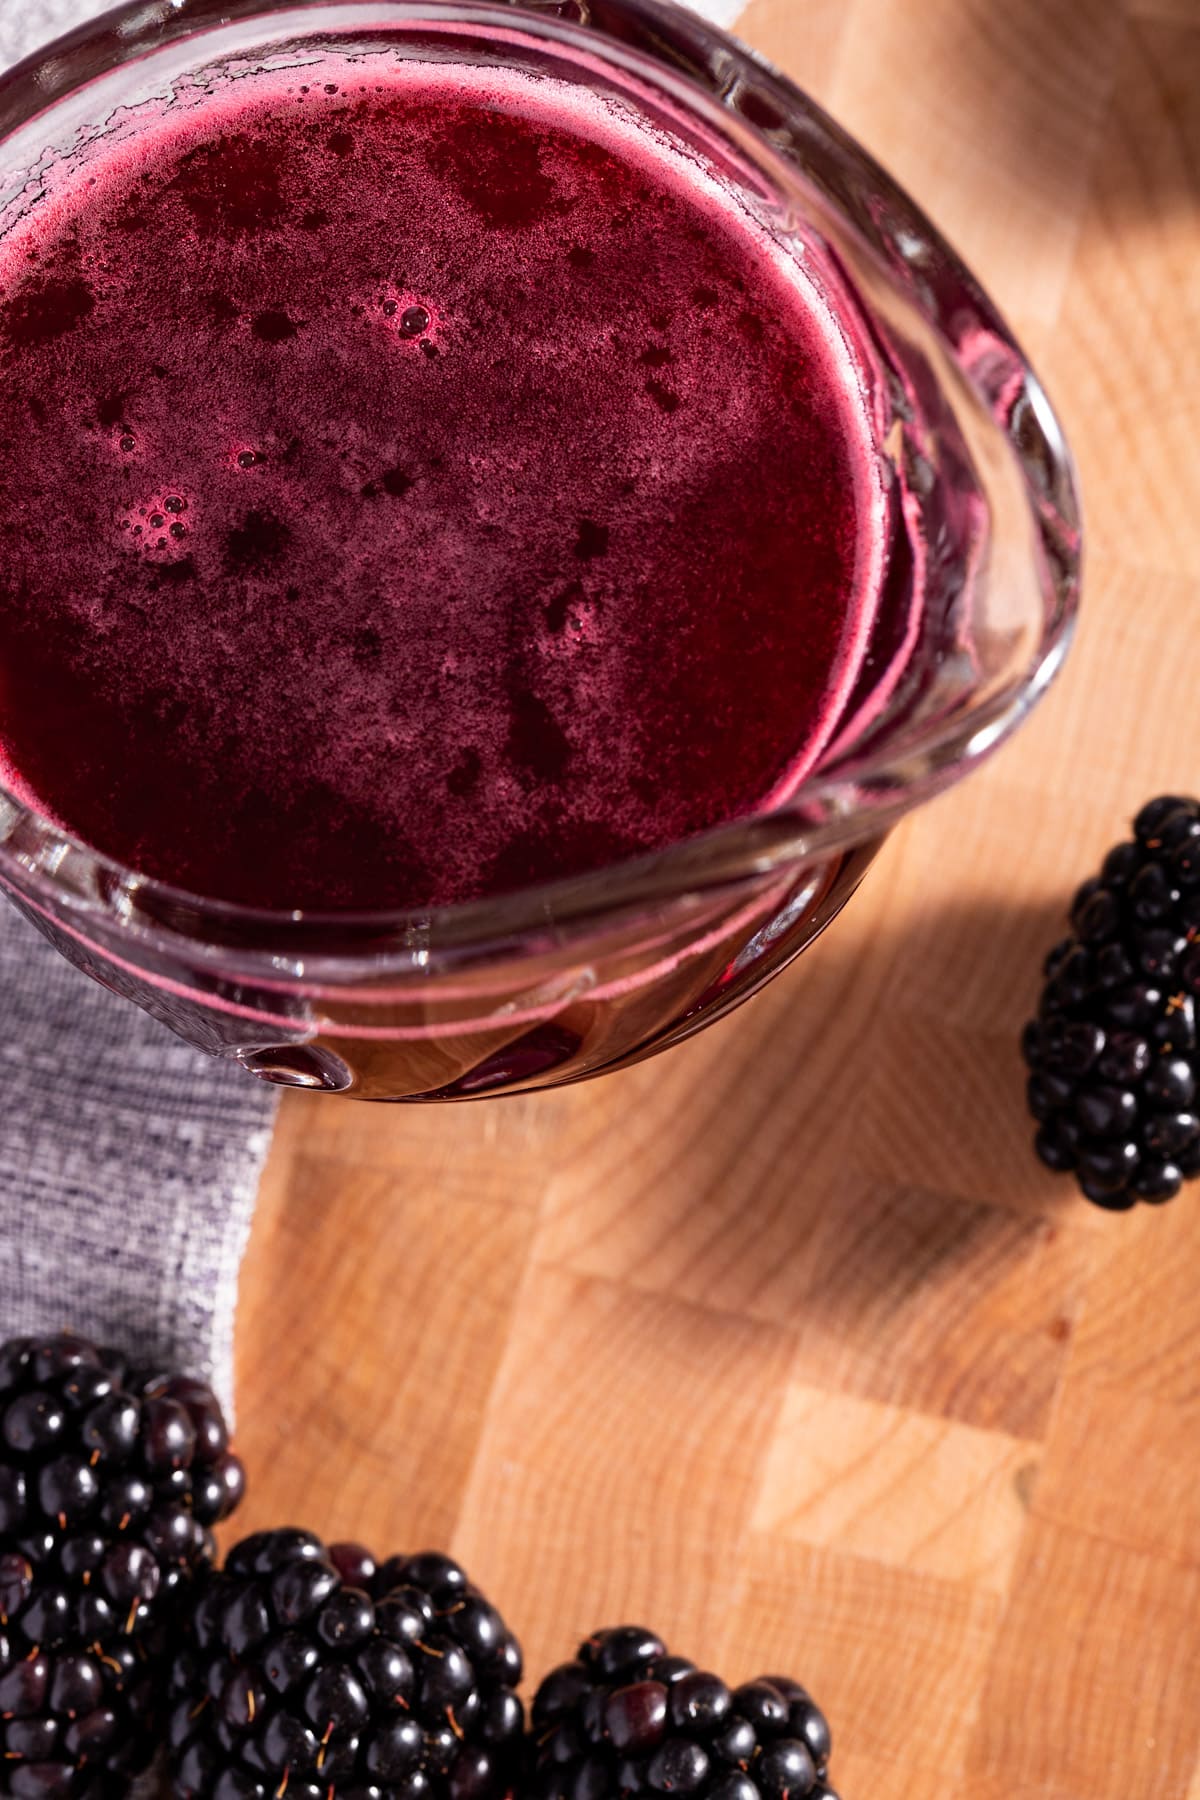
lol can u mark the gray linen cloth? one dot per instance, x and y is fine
(129, 1163)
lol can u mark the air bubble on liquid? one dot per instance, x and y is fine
(128, 443)
(414, 319)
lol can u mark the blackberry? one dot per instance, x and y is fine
(1114, 1073)
(318, 1674)
(625, 1718)
(109, 1484)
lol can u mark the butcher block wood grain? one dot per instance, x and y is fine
(783, 1343)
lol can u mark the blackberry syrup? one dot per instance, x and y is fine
(415, 482)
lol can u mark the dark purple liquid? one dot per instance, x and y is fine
(409, 491)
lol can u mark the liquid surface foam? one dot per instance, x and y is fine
(414, 484)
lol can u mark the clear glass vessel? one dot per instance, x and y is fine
(982, 564)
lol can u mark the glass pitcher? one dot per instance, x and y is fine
(980, 578)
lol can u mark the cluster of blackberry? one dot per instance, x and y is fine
(110, 1483)
(626, 1718)
(313, 1672)
(301, 1671)
(1113, 1068)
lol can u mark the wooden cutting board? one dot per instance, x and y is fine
(782, 1343)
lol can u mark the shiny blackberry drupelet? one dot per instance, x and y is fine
(626, 1718)
(109, 1484)
(316, 1673)
(1114, 1078)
